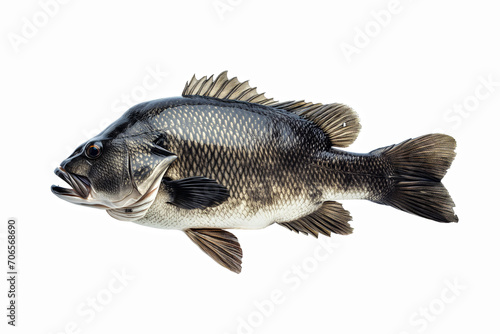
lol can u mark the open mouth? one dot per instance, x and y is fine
(80, 185)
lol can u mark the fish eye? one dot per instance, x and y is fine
(94, 150)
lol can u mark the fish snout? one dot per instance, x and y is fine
(80, 185)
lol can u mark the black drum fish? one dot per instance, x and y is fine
(222, 156)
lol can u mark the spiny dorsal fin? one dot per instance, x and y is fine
(330, 217)
(225, 89)
(338, 121)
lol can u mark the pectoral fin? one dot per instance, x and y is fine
(220, 245)
(196, 192)
(330, 217)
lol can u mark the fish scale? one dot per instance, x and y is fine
(264, 180)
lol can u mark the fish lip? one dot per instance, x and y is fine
(80, 185)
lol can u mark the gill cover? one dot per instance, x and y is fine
(147, 163)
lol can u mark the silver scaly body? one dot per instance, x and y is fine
(277, 166)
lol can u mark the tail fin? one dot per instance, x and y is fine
(418, 165)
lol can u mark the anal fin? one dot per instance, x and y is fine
(220, 245)
(330, 217)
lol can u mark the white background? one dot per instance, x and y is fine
(65, 79)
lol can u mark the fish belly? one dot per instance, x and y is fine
(232, 214)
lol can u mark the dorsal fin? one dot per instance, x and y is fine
(225, 89)
(339, 122)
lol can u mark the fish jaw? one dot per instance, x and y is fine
(81, 191)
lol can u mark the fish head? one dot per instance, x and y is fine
(121, 175)
(94, 172)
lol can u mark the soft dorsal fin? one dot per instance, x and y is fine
(339, 122)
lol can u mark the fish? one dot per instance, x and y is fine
(222, 156)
